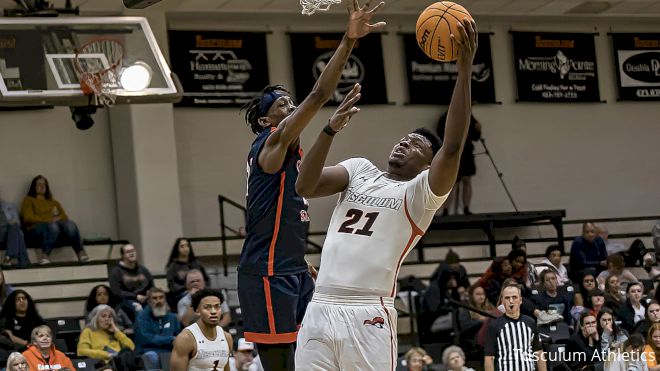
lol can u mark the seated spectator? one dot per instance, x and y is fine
(243, 358)
(417, 359)
(47, 223)
(612, 336)
(595, 301)
(652, 316)
(16, 362)
(652, 349)
(492, 280)
(550, 298)
(611, 247)
(5, 289)
(627, 357)
(586, 342)
(615, 266)
(532, 277)
(587, 251)
(41, 354)
(103, 340)
(634, 310)
(614, 298)
(478, 300)
(101, 294)
(181, 260)
(18, 318)
(587, 283)
(155, 329)
(518, 260)
(11, 234)
(552, 261)
(130, 281)
(185, 313)
(453, 358)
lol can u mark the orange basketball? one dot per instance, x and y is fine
(434, 26)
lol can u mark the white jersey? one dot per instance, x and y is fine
(211, 355)
(376, 222)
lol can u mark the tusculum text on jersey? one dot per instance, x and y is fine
(362, 199)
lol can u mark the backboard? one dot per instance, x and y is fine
(37, 60)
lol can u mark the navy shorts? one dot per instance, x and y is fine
(273, 306)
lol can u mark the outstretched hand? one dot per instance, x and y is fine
(359, 18)
(346, 109)
(467, 41)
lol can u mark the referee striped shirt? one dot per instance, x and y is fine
(512, 342)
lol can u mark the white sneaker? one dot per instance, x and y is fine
(545, 318)
(44, 261)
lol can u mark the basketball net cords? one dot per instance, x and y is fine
(103, 81)
(311, 6)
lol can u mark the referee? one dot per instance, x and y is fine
(512, 341)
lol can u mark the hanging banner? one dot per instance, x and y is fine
(432, 82)
(312, 51)
(637, 57)
(555, 67)
(219, 69)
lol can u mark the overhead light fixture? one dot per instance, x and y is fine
(590, 7)
(136, 77)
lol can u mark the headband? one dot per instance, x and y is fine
(267, 100)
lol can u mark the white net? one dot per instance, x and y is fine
(309, 7)
(97, 79)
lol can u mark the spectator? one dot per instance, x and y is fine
(16, 362)
(587, 283)
(181, 260)
(585, 342)
(550, 298)
(18, 320)
(452, 268)
(628, 357)
(243, 358)
(612, 336)
(553, 261)
(478, 300)
(611, 247)
(185, 313)
(41, 354)
(101, 294)
(652, 316)
(11, 234)
(155, 329)
(453, 358)
(103, 340)
(587, 251)
(634, 310)
(416, 359)
(520, 269)
(130, 281)
(499, 270)
(5, 289)
(532, 277)
(615, 267)
(47, 223)
(613, 296)
(652, 349)
(595, 301)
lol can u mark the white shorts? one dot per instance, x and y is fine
(348, 333)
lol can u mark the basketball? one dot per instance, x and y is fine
(435, 24)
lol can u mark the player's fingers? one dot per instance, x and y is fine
(470, 30)
(352, 5)
(476, 33)
(377, 26)
(380, 5)
(462, 36)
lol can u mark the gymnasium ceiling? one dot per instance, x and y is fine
(599, 8)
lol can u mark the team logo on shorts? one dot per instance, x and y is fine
(376, 321)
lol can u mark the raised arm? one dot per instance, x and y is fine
(444, 167)
(314, 180)
(274, 151)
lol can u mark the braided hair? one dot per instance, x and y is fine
(258, 106)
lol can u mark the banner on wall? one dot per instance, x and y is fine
(432, 82)
(555, 67)
(637, 57)
(312, 51)
(219, 69)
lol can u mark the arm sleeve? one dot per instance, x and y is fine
(116, 285)
(356, 166)
(27, 210)
(491, 337)
(85, 347)
(124, 340)
(419, 191)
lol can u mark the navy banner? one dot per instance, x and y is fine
(219, 69)
(312, 51)
(432, 82)
(637, 57)
(555, 67)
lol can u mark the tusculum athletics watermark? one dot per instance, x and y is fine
(597, 356)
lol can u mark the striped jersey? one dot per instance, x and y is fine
(512, 342)
(277, 219)
(375, 224)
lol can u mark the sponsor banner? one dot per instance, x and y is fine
(555, 67)
(432, 82)
(219, 69)
(637, 57)
(312, 51)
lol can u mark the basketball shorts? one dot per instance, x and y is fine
(348, 333)
(273, 306)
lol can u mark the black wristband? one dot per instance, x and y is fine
(328, 130)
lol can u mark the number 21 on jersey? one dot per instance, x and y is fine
(354, 217)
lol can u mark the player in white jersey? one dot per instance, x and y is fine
(203, 346)
(350, 323)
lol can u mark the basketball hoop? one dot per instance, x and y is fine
(98, 75)
(311, 6)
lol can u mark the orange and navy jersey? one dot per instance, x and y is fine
(277, 219)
